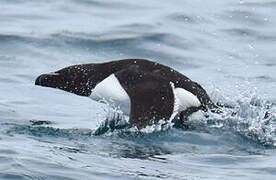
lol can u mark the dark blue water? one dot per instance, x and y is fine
(227, 46)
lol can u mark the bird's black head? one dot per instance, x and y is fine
(74, 79)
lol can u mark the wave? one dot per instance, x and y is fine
(246, 126)
(254, 119)
(111, 41)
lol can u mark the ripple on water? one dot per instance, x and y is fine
(251, 18)
(14, 176)
(182, 18)
(269, 4)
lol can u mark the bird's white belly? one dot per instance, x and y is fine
(111, 92)
(185, 99)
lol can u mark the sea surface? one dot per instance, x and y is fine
(228, 46)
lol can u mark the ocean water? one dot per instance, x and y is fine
(227, 46)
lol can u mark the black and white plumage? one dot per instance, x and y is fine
(146, 90)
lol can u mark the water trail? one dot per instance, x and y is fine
(250, 116)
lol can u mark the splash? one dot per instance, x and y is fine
(116, 121)
(250, 116)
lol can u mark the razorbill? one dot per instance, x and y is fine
(145, 90)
